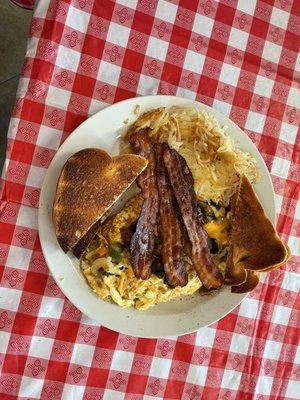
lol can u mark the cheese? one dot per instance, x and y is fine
(218, 230)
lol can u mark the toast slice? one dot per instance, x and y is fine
(90, 182)
(235, 272)
(251, 281)
(254, 244)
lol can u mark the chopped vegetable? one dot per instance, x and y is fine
(116, 252)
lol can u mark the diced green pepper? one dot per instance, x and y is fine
(115, 252)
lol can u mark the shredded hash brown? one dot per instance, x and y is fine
(212, 156)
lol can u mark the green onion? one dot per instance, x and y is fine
(115, 252)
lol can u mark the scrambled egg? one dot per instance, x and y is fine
(106, 264)
(119, 284)
(107, 268)
(112, 227)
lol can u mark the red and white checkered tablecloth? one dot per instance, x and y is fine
(240, 57)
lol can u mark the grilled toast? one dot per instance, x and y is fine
(89, 184)
(254, 244)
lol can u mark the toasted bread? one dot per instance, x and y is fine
(254, 243)
(86, 239)
(252, 280)
(89, 184)
(235, 272)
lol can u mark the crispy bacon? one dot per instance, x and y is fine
(183, 187)
(142, 241)
(172, 241)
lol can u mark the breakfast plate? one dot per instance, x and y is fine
(104, 130)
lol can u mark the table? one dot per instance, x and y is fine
(237, 56)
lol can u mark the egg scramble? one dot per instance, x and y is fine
(106, 266)
(106, 263)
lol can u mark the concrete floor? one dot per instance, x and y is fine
(14, 26)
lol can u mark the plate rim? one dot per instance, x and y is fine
(77, 304)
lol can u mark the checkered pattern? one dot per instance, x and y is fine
(239, 56)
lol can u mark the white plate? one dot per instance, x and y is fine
(181, 316)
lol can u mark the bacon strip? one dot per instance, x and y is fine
(142, 241)
(172, 241)
(183, 187)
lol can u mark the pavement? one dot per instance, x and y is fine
(14, 26)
